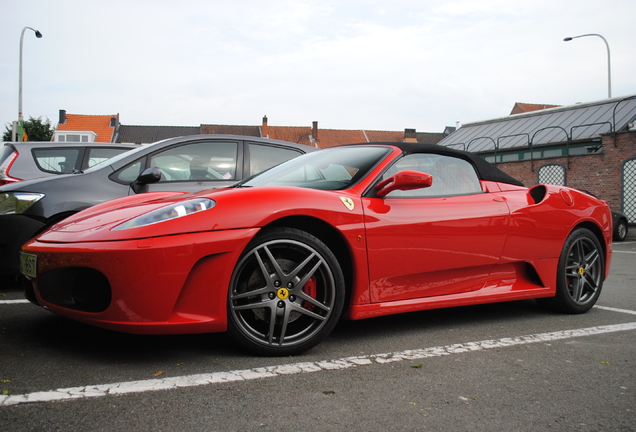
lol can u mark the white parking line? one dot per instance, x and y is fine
(13, 301)
(75, 393)
(607, 308)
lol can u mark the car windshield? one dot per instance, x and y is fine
(331, 169)
(122, 156)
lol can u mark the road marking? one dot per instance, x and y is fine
(607, 308)
(616, 251)
(76, 393)
(14, 301)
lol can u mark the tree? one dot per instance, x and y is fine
(36, 130)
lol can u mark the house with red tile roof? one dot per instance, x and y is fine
(324, 138)
(106, 128)
(520, 107)
(86, 128)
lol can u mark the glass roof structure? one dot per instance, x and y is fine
(574, 123)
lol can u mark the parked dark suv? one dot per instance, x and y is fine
(35, 159)
(192, 163)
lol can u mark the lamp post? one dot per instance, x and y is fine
(37, 35)
(609, 67)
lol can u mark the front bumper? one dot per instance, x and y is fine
(164, 285)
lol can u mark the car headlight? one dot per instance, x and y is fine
(173, 211)
(17, 202)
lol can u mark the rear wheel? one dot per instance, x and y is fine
(286, 293)
(620, 231)
(580, 274)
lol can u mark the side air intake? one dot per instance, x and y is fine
(537, 193)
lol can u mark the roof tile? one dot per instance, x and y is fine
(150, 134)
(254, 131)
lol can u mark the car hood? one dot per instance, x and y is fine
(235, 208)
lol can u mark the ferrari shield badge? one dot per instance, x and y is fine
(348, 202)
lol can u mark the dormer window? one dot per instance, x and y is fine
(74, 136)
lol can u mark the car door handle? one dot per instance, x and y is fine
(499, 199)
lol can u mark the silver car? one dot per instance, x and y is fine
(35, 159)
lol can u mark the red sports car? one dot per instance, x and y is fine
(355, 232)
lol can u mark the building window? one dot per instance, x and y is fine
(534, 155)
(553, 174)
(74, 136)
(510, 155)
(553, 153)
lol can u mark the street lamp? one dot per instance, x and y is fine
(37, 35)
(609, 68)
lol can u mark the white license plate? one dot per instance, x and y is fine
(28, 264)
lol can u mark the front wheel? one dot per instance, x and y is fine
(286, 293)
(580, 274)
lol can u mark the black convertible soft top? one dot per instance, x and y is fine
(485, 170)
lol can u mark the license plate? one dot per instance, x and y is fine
(28, 264)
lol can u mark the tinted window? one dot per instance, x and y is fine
(201, 161)
(263, 157)
(451, 176)
(59, 161)
(124, 155)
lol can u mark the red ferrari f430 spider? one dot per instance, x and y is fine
(349, 232)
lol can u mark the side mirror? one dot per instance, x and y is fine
(148, 176)
(404, 180)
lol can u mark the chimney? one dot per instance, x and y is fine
(62, 117)
(314, 132)
(114, 123)
(265, 129)
(410, 135)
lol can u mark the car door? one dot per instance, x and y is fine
(434, 241)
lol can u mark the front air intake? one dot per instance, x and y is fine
(78, 288)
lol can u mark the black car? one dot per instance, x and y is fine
(188, 164)
(620, 225)
(35, 159)
(619, 222)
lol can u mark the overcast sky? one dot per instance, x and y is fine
(377, 65)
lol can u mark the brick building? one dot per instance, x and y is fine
(590, 146)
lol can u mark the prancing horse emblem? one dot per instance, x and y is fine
(348, 202)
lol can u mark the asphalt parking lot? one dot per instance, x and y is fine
(508, 366)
